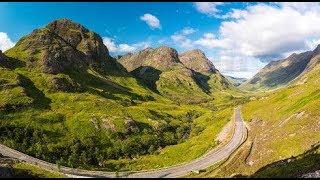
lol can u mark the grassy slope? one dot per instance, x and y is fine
(24, 170)
(211, 123)
(283, 123)
(62, 117)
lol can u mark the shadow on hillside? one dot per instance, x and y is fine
(102, 87)
(40, 101)
(304, 163)
(147, 76)
(12, 63)
(202, 81)
(285, 75)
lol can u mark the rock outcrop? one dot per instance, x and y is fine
(197, 61)
(63, 45)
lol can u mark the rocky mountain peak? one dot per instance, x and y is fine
(164, 53)
(317, 49)
(63, 44)
(197, 60)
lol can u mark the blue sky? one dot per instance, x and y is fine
(239, 38)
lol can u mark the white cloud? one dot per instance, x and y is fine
(188, 30)
(209, 35)
(110, 44)
(151, 20)
(177, 37)
(209, 41)
(180, 38)
(209, 8)
(5, 42)
(268, 31)
(237, 66)
(124, 48)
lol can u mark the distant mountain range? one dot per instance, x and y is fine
(282, 72)
(236, 81)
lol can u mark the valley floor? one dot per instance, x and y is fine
(205, 161)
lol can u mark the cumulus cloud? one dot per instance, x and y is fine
(181, 40)
(123, 48)
(268, 31)
(209, 8)
(188, 30)
(237, 66)
(151, 20)
(5, 42)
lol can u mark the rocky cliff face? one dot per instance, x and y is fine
(162, 58)
(196, 60)
(61, 46)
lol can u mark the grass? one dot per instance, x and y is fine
(27, 170)
(184, 152)
(283, 124)
(64, 118)
(293, 167)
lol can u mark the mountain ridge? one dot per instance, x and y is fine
(281, 72)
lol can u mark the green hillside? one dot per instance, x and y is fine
(65, 100)
(283, 131)
(280, 73)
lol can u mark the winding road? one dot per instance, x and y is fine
(201, 163)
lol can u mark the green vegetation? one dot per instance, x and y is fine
(193, 148)
(64, 100)
(63, 107)
(292, 167)
(283, 124)
(24, 170)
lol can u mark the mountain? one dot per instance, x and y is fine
(175, 76)
(65, 100)
(61, 46)
(283, 138)
(197, 61)
(281, 72)
(236, 81)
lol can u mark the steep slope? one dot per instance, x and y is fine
(61, 46)
(163, 72)
(281, 72)
(63, 99)
(176, 76)
(283, 131)
(197, 61)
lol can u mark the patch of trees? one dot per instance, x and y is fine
(71, 151)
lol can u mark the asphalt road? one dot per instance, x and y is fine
(201, 163)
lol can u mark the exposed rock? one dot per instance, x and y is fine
(131, 125)
(162, 58)
(300, 115)
(108, 125)
(196, 60)
(315, 174)
(65, 85)
(95, 123)
(64, 45)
